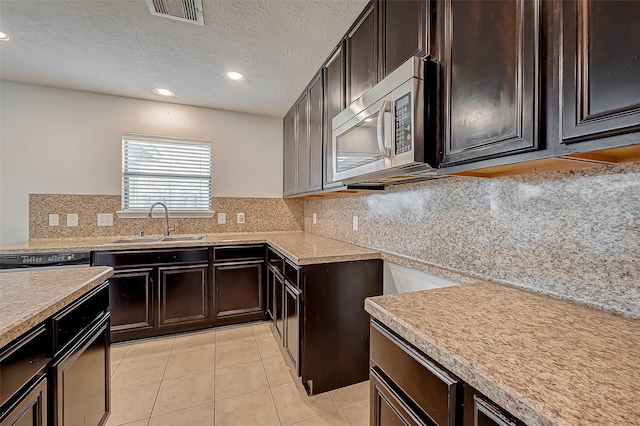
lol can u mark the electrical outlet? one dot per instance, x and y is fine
(222, 218)
(315, 219)
(240, 218)
(355, 223)
(54, 220)
(72, 219)
(105, 219)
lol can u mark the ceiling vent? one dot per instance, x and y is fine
(180, 10)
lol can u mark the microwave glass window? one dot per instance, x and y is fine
(403, 124)
(358, 145)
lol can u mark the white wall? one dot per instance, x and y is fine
(58, 141)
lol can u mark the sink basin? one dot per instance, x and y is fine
(178, 238)
(136, 240)
(159, 239)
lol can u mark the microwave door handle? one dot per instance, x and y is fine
(385, 107)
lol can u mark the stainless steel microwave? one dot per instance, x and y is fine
(380, 138)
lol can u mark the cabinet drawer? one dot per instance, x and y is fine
(388, 408)
(428, 386)
(292, 272)
(488, 414)
(69, 322)
(118, 259)
(275, 259)
(238, 253)
(22, 360)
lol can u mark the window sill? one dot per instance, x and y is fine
(142, 214)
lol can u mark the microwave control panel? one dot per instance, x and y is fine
(403, 124)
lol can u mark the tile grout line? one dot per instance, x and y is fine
(161, 380)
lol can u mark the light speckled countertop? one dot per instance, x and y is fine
(29, 297)
(301, 248)
(547, 361)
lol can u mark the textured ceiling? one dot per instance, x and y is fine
(118, 47)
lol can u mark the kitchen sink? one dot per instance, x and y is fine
(159, 239)
(178, 238)
(136, 240)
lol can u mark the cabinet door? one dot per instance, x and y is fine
(491, 89)
(238, 288)
(406, 31)
(601, 71)
(290, 155)
(315, 133)
(278, 296)
(130, 299)
(334, 103)
(292, 324)
(81, 381)
(302, 142)
(183, 294)
(268, 297)
(362, 54)
(30, 409)
(388, 408)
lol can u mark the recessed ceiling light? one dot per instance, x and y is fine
(235, 76)
(4, 37)
(162, 92)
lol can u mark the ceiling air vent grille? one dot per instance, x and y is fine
(181, 10)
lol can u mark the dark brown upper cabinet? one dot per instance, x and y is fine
(334, 102)
(303, 138)
(316, 124)
(290, 159)
(405, 31)
(490, 84)
(302, 142)
(362, 53)
(600, 70)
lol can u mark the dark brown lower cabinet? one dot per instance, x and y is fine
(278, 293)
(334, 327)
(184, 294)
(131, 299)
(409, 388)
(58, 373)
(291, 316)
(80, 380)
(30, 408)
(155, 292)
(238, 288)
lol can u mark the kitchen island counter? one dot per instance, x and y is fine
(29, 297)
(547, 361)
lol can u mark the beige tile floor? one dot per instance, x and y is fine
(231, 376)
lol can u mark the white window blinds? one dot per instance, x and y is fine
(176, 172)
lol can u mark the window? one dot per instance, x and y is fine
(174, 171)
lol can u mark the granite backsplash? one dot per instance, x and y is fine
(573, 234)
(261, 215)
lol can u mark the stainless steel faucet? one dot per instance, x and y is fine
(166, 216)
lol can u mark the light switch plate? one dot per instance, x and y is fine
(355, 223)
(240, 218)
(54, 220)
(105, 219)
(72, 219)
(222, 218)
(315, 219)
